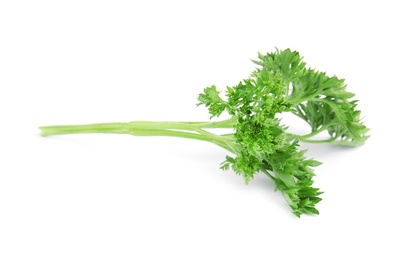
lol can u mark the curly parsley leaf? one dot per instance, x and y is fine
(322, 101)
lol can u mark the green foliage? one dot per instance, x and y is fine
(284, 84)
(212, 100)
(320, 100)
(259, 142)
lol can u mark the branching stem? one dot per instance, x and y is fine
(191, 130)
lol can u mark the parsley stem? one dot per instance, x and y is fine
(114, 128)
(313, 133)
(191, 130)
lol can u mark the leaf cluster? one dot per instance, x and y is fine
(322, 101)
(282, 83)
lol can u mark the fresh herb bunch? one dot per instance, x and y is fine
(258, 141)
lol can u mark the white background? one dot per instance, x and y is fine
(123, 197)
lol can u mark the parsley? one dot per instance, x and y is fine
(258, 141)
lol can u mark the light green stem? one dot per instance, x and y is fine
(191, 130)
(114, 128)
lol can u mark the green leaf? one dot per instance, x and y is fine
(211, 99)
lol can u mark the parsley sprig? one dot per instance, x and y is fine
(258, 141)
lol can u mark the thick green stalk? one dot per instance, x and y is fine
(191, 130)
